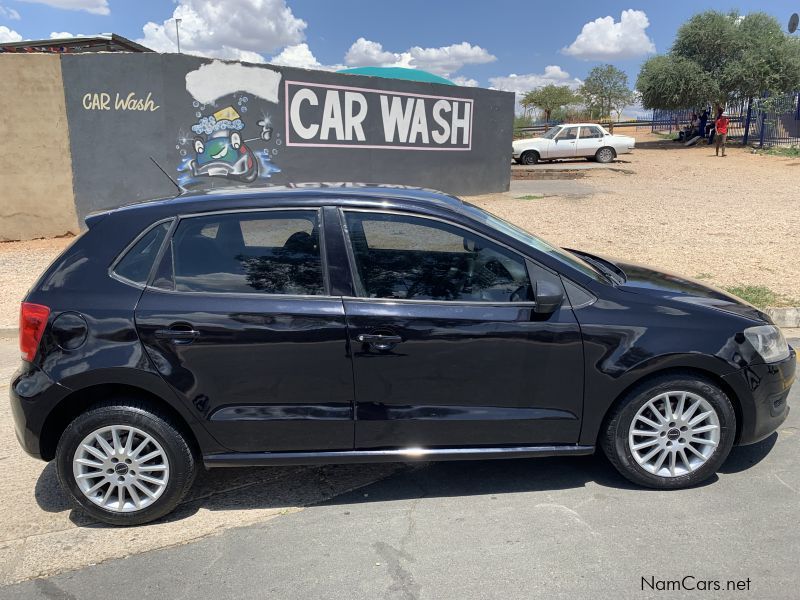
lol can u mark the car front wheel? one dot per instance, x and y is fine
(124, 464)
(670, 433)
(529, 158)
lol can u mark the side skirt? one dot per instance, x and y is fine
(259, 459)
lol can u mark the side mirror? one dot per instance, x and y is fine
(548, 295)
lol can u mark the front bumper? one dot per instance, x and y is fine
(33, 397)
(762, 390)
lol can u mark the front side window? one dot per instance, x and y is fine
(138, 260)
(275, 252)
(568, 133)
(411, 258)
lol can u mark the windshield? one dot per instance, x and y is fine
(551, 133)
(561, 255)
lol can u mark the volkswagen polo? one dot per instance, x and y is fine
(354, 324)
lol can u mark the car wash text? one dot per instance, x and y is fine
(339, 116)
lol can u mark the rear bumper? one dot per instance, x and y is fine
(33, 396)
(763, 391)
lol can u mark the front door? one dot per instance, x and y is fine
(564, 144)
(447, 350)
(238, 321)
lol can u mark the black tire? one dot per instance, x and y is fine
(605, 155)
(614, 438)
(128, 412)
(531, 157)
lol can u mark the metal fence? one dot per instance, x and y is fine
(763, 122)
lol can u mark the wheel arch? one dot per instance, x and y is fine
(78, 401)
(674, 370)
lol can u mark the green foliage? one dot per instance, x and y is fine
(759, 295)
(605, 89)
(720, 57)
(523, 121)
(549, 98)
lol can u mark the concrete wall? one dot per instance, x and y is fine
(36, 195)
(213, 124)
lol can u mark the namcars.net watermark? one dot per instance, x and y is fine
(690, 583)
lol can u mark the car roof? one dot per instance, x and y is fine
(296, 195)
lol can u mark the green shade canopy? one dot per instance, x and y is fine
(398, 73)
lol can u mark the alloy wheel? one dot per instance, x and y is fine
(121, 468)
(674, 434)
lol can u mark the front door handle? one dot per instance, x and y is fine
(380, 341)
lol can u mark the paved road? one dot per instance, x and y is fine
(547, 528)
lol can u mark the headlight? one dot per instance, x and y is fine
(768, 342)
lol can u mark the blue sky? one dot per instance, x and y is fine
(469, 41)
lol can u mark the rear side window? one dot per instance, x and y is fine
(276, 252)
(136, 264)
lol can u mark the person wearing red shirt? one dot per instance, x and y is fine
(721, 126)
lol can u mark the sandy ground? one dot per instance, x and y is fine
(729, 221)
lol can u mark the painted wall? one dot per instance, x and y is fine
(36, 197)
(213, 124)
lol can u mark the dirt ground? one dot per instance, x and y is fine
(729, 221)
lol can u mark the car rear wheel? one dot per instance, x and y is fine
(124, 464)
(670, 433)
(531, 157)
(605, 155)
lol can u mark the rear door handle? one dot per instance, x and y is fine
(183, 335)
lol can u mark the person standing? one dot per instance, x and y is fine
(703, 123)
(721, 126)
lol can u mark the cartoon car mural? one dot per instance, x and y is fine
(220, 150)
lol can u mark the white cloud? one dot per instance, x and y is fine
(521, 84)
(605, 39)
(236, 29)
(96, 7)
(9, 35)
(9, 13)
(297, 55)
(441, 61)
(464, 81)
(366, 53)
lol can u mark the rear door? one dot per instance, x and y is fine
(590, 140)
(447, 350)
(239, 320)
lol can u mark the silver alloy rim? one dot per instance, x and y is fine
(606, 155)
(674, 434)
(121, 468)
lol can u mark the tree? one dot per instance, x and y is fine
(549, 98)
(720, 57)
(606, 89)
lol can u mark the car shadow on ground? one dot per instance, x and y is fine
(283, 487)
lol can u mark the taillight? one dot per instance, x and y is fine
(32, 321)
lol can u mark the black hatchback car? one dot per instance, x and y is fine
(356, 324)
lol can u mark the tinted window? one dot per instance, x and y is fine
(269, 252)
(590, 132)
(411, 258)
(137, 262)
